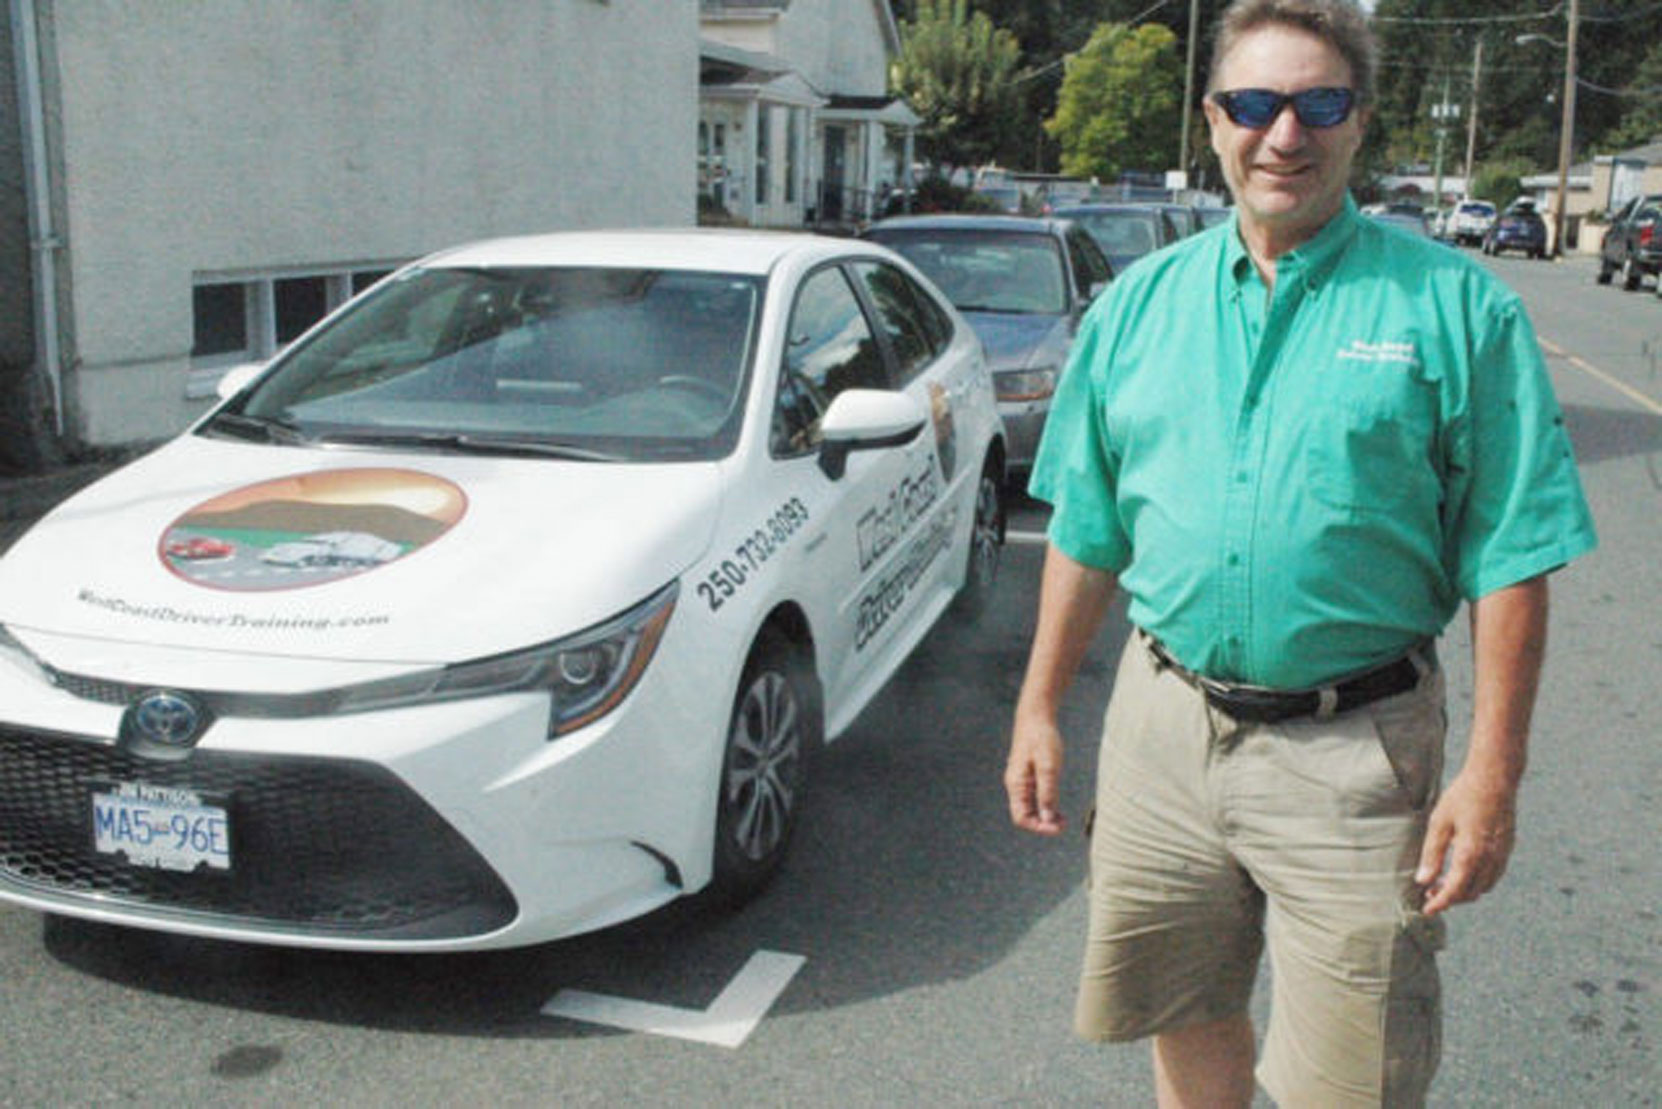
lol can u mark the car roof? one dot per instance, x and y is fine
(1043, 225)
(1092, 209)
(721, 250)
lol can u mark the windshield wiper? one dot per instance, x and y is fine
(462, 443)
(260, 429)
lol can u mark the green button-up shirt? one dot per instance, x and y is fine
(1291, 488)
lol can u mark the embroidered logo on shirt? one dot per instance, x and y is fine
(1360, 350)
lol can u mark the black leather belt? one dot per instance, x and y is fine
(1261, 705)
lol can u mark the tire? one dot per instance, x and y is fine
(772, 733)
(986, 545)
(1605, 271)
(1631, 274)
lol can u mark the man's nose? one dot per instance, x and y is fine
(1285, 131)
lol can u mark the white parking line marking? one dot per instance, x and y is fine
(1593, 371)
(1026, 538)
(728, 1022)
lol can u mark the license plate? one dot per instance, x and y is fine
(162, 827)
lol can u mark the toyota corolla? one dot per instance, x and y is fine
(538, 573)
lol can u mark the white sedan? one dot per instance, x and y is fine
(540, 570)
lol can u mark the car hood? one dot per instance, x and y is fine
(353, 556)
(1016, 342)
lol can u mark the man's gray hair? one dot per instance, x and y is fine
(1339, 23)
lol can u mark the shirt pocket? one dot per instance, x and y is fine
(1369, 439)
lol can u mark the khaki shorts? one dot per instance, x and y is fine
(1212, 836)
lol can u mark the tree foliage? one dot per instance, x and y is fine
(1121, 103)
(958, 72)
(1428, 46)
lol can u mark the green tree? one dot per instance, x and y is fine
(1121, 103)
(1642, 121)
(958, 72)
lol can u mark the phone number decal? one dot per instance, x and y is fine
(752, 553)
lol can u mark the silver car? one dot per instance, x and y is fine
(1022, 283)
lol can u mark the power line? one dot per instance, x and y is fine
(1472, 20)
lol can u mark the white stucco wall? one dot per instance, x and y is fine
(254, 134)
(837, 45)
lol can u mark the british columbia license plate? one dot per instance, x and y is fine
(160, 826)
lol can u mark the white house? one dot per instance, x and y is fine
(184, 186)
(795, 124)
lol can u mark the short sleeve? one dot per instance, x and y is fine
(1524, 512)
(1076, 468)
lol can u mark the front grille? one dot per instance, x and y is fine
(316, 844)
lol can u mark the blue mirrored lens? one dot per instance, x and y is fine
(1257, 108)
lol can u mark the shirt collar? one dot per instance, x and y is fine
(1311, 261)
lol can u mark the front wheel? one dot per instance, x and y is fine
(771, 735)
(986, 544)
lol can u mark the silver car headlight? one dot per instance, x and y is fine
(16, 653)
(1025, 385)
(587, 675)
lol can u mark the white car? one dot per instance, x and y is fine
(632, 523)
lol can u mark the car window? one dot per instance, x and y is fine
(630, 363)
(913, 323)
(829, 347)
(987, 271)
(1090, 268)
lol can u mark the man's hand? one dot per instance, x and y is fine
(1467, 843)
(1032, 777)
(1073, 598)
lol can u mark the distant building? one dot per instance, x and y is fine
(1596, 188)
(795, 124)
(184, 187)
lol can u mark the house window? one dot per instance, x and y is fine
(253, 317)
(793, 157)
(219, 316)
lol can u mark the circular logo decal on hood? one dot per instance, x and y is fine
(310, 529)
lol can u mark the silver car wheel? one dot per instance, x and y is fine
(764, 765)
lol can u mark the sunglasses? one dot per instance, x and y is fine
(1258, 108)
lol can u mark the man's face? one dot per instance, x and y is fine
(1287, 179)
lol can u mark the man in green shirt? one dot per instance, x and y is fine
(1297, 442)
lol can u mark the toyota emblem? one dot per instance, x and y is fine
(167, 718)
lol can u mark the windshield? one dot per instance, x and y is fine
(597, 363)
(988, 271)
(1123, 235)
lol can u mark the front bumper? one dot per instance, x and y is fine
(1024, 423)
(447, 827)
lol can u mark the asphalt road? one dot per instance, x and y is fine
(938, 946)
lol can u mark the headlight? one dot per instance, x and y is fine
(587, 675)
(14, 652)
(1019, 385)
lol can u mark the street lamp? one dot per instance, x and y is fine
(1566, 126)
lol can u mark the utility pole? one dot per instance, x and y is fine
(1471, 120)
(1188, 92)
(1441, 112)
(1566, 129)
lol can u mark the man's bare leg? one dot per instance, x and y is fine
(1205, 1066)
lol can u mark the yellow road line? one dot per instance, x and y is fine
(1591, 370)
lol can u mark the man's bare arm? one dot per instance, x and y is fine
(1073, 600)
(1473, 826)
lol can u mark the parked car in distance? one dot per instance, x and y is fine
(1633, 243)
(1470, 222)
(1518, 228)
(1184, 217)
(1125, 232)
(1414, 225)
(591, 540)
(1211, 216)
(1022, 283)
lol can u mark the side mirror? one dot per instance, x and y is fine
(863, 420)
(237, 378)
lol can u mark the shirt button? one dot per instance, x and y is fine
(1233, 559)
(1242, 477)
